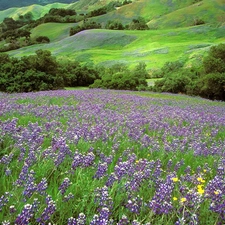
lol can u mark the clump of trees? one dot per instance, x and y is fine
(107, 8)
(136, 24)
(119, 77)
(85, 26)
(208, 81)
(42, 72)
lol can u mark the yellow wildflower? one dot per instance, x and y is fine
(175, 179)
(137, 161)
(183, 200)
(175, 198)
(201, 191)
(200, 180)
(216, 192)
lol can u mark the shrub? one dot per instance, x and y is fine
(212, 86)
(42, 39)
(215, 61)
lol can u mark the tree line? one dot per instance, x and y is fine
(136, 24)
(43, 71)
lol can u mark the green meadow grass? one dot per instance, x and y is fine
(108, 47)
(211, 12)
(54, 31)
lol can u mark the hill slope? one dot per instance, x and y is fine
(5, 4)
(154, 47)
(36, 10)
(210, 12)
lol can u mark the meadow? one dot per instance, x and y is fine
(111, 157)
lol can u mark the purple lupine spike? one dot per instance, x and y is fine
(4, 199)
(25, 216)
(65, 184)
(124, 220)
(72, 221)
(101, 171)
(134, 204)
(42, 186)
(81, 220)
(77, 160)
(48, 211)
(88, 160)
(66, 198)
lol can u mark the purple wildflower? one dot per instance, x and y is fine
(65, 184)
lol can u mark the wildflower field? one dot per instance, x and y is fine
(111, 157)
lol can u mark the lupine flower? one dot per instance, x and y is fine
(25, 216)
(65, 184)
(101, 171)
(72, 221)
(81, 220)
(66, 198)
(48, 211)
(42, 186)
(123, 221)
(12, 209)
(134, 204)
(4, 199)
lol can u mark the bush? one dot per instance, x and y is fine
(215, 61)
(212, 86)
(120, 78)
(42, 39)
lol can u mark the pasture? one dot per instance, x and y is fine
(111, 157)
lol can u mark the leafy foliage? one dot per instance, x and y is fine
(208, 82)
(121, 78)
(42, 39)
(86, 25)
(42, 72)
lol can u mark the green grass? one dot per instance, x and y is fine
(36, 10)
(211, 12)
(76, 88)
(107, 47)
(54, 31)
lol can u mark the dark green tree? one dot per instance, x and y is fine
(215, 61)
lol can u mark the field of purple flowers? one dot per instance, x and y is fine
(111, 157)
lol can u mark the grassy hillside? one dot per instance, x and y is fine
(5, 4)
(36, 10)
(54, 31)
(212, 12)
(107, 47)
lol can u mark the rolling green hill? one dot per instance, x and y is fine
(209, 12)
(5, 4)
(36, 10)
(154, 47)
(172, 33)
